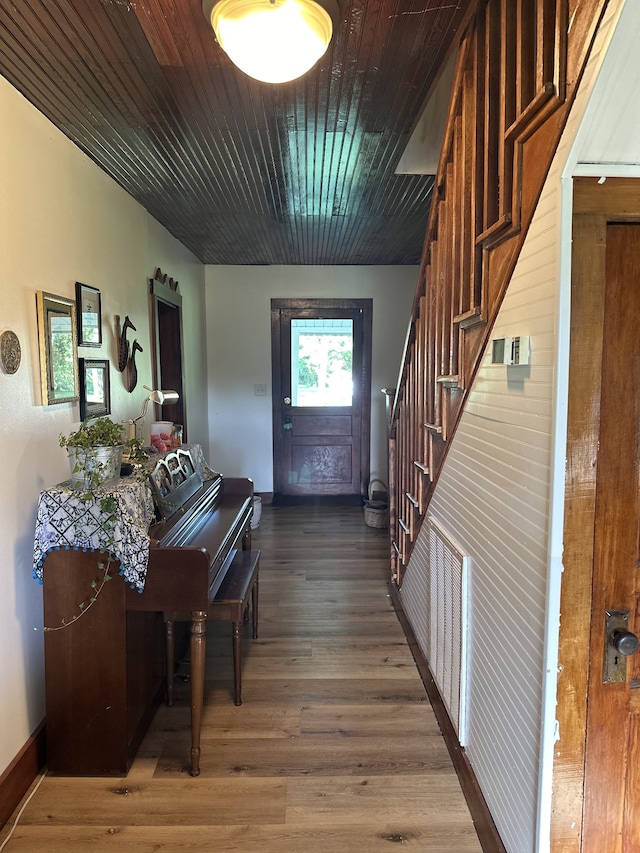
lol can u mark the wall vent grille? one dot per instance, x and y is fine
(447, 640)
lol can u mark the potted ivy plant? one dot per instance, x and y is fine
(95, 453)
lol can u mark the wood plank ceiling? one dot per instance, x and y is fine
(243, 172)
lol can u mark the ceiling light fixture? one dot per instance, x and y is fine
(272, 40)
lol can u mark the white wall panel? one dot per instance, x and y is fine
(493, 495)
(611, 130)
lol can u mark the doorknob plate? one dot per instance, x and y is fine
(615, 662)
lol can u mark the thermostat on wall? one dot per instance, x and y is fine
(511, 350)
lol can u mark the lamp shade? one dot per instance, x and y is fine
(163, 397)
(272, 40)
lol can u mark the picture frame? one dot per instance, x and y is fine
(174, 479)
(89, 311)
(58, 344)
(95, 388)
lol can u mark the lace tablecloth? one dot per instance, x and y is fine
(72, 519)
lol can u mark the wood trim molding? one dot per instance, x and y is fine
(587, 316)
(16, 779)
(614, 198)
(488, 836)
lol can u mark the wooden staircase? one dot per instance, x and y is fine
(518, 66)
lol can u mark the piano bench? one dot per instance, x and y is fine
(231, 604)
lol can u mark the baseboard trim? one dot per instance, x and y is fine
(17, 778)
(480, 814)
(316, 500)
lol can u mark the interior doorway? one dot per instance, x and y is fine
(612, 810)
(321, 365)
(596, 801)
(167, 360)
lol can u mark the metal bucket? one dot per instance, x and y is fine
(94, 467)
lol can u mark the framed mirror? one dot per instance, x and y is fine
(58, 348)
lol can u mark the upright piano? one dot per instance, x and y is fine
(105, 672)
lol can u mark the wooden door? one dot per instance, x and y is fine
(321, 427)
(612, 760)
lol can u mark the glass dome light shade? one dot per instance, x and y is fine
(272, 40)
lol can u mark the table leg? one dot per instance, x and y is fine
(198, 651)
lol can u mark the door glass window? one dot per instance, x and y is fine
(321, 362)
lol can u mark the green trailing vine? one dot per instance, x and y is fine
(87, 440)
(95, 432)
(108, 505)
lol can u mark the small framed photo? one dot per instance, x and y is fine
(89, 315)
(95, 394)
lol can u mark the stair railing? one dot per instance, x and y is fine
(510, 100)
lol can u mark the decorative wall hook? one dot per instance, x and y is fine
(123, 349)
(171, 283)
(132, 370)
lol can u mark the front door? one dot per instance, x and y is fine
(321, 352)
(612, 777)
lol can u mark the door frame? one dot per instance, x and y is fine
(167, 350)
(594, 206)
(366, 306)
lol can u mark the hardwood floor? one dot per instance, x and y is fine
(335, 747)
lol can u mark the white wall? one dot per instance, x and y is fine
(493, 497)
(501, 491)
(63, 220)
(239, 351)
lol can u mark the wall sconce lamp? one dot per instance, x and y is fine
(159, 397)
(273, 40)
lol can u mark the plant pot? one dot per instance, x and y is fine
(95, 467)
